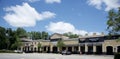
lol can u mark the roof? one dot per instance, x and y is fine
(57, 35)
(91, 36)
(26, 40)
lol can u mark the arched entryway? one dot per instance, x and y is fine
(38, 49)
(48, 50)
(70, 49)
(118, 48)
(75, 49)
(35, 49)
(98, 49)
(23, 49)
(55, 50)
(82, 50)
(63, 48)
(44, 48)
(109, 50)
(90, 49)
(26, 49)
(31, 49)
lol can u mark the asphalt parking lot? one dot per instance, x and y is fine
(51, 56)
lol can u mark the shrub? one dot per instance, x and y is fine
(6, 51)
(117, 56)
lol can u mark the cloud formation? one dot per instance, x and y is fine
(63, 27)
(52, 1)
(32, 0)
(25, 15)
(109, 4)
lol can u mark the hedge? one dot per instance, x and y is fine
(7, 51)
(117, 56)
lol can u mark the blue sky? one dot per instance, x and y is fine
(57, 16)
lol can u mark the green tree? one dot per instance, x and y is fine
(10, 39)
(35, 35)
(60, 44)
(21, 32)
(39, 46)
(17, 44)
(4, 42)
(14, 40)
(113, 22)
(45, 35)
(71, 35)
(38, 35)
(9, 33)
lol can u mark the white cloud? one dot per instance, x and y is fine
(96, 3)
(109, 4)
(62, 27)
(33, 0)
(25, 15)
(53, 1)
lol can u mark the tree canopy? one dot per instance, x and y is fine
(38, 35)
(10, 39)
(114, 21)
(60, 44)
(71, 35)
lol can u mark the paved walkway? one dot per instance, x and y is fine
(51, 56)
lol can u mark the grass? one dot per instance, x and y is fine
(7, 51)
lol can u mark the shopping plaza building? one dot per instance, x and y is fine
(95, 44)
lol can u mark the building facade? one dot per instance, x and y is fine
(96, 44)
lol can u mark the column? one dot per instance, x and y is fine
(79, 48)
(86, 48)
(94, 49)
(103, 49)
(40, 49)
(46, 48)
(21, 48)
(33, 49)
(72, 48)
(66, 48)
(29, 48)
(51, 48)
(114, 49)
(37, 49)
(58, 49)
(26, 49)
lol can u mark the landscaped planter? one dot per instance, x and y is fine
(117, 56)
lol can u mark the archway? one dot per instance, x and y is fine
(98, 49)
(109, 50)
(23, 49)
(48, 50)
(31, 49)
(70, 49)
(63, 48)
(55, 50)
(82, 49)
(44, 48)
(35, 49)
(76, 49)
(90, 49)
(28, 49)
(118, 48)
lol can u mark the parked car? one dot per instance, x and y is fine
(65, 52)
(18, 51)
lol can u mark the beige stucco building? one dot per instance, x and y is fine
(95, 44)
